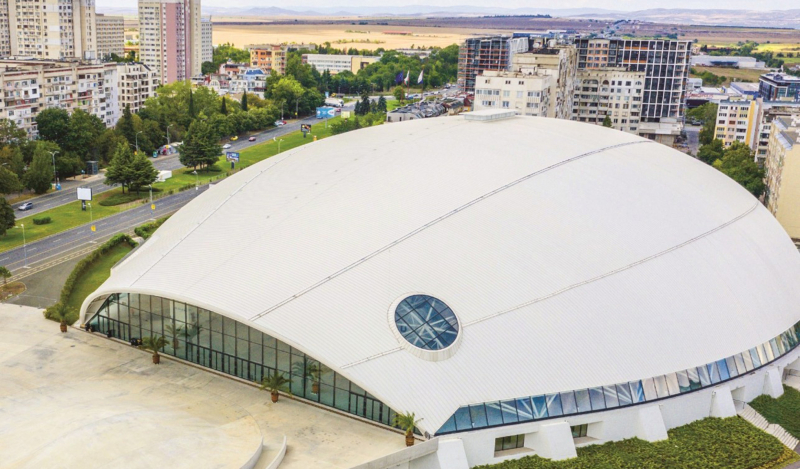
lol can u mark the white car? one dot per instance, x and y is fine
(226, 146)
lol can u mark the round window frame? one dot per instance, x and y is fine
(429, 355)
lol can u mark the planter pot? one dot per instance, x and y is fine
(156, 359)
(63, 327)
(315, 387)
(409, 440)
(175, 344)
(274, 396)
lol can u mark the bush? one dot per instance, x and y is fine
(42, 221)
(785, 410)
(146, 230)
(711, 443)
(81, 267)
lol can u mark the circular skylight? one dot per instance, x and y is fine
(426, 322)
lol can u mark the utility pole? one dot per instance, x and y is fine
(168, 133)
(55, 173)
(137, 141)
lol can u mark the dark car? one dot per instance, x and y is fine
(25, 206)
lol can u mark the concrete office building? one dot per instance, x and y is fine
(338, 63)
(596, 258)
(48, 29)
(612, 92)
(782, 167)
(527, 93)
(736, 122)
(170, 38)
(110, 36)
(779, 87)
(206, 40)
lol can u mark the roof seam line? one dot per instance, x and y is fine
(441, 218)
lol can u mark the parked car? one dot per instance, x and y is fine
(234, 138)
(279, 123)
(25, 206)
(251, 139)
(226, 146)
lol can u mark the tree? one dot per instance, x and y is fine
(107, 144)
(191, 103)
(125, 125)
(119, 169)
(53, 125)
(207, 68)
(10, 134)
(142, 172)
(607, 122)
(737, 163)
(224, 108)
(200, 147)
(244, 101)
(710, 152)
(40, 172)
(287, 90)
(5, 273)
(9, 181)
(275, 383)
(154, 344)
(84, 131)
(399, 93)
(7, 217)
(382, 107)
(407, 422)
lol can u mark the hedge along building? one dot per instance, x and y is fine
(524, 285)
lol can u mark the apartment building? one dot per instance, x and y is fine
(560, 62)
(48, 29)
(338, 63)
(110, 32)
(528, 93)
(665, 64)
(136, 83)
(767, 112)
(782, 168)
(207, 45)
(170, 40)
(480, 54)
(779, 87)
(30, 86)
(269, 57)
(736, 122)
(613, 92)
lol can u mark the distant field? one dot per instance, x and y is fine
(733, 74)
(720, 36)
(243, 34)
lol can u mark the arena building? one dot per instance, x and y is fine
(523, 285)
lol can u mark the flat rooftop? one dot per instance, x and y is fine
(81, 400)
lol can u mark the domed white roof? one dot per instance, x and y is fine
(571, 255)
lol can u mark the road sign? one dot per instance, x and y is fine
(84, 193)
(232, 156)
(326, 112)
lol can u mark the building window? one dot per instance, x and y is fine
(427, 322)
(579, 431)
(509, 442)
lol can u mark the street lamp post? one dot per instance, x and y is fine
(196, 180)
(24, 245)
(137, 141)
(168, 133)
(279, 145)
(55, 173)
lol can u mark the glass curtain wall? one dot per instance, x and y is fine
(223, 344)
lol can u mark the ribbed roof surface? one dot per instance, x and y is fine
(573, 255)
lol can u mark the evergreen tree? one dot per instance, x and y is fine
(607, 122)
(40, 172)
(191, 104)
(200, 147)
(142, 172)
(7, 217)
(9, 181)
(119, 169)
(125, 125)
(244, 101)
(382, 107)
(224, 108)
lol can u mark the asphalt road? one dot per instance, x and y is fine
(162, 163)
(692, 138)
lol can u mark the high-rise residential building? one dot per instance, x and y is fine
(736, 122)
(665, 63)
(269, 57)
(779, 87)
(170, 38)
(31, 86)
(610, 92)
(782, 168)
(49, 29)
(767, 112)
(136, 82)
(560, 61)
(528, 93)
(479, 54)
(5, 29)
(110, 35)
(206, 41)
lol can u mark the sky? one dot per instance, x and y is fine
(608, 4)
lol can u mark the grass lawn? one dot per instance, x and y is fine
(95, 275)
(732, 74)
(711, 443)
(785, 410)
(69, 215)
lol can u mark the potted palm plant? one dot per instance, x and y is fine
(408, 423)
(311, 370)
(61, 312)
(174, 331)
(275, 383)
(154, 344)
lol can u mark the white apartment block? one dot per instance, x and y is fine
(48, 29)
(526, 93)
(560, 62)
(170, 38)
(136, 82)
(611, 92)
(338, 63)
(207, 45)
(767, 112)
(110, 32)
(29, 87)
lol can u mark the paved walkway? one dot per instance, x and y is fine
(81, 400)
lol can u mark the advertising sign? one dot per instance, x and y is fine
(326, 112)
(84, 193)
(232, 156)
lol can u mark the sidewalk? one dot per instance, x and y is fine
(66, 184)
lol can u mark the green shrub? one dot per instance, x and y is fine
(146, 230)
(711, 443)
(81, 267)
(785, 410)
(42, 221)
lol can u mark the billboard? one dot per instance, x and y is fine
(326, 112)
(232, 156)
(84, 193)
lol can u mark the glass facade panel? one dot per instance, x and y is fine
(553, 405)
(582, 400)
(610, 393)
(672, 384)
(568, 404)
(524, 409)
(597, 399)
(539, 407)
(426, 322)
(624, 394)
(478, 415)
(649, 387)
(509, 409)
(493, 413)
